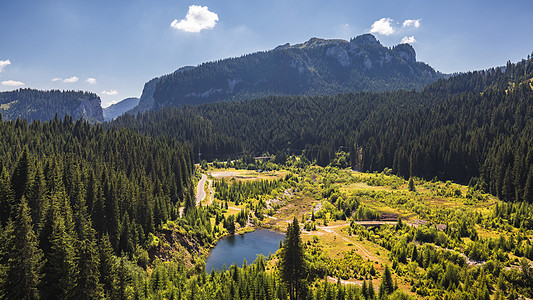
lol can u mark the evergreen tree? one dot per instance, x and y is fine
(528, 190)
(412, 187)
(37, 200)
(107, 265)
(87, 258)
(60, 270)
(371, 291)
(25, 259)
(292, 262)
(23, 175)
(7, 197)
(387, 286)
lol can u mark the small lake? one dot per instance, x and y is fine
(234, 249)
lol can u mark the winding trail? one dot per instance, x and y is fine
(200, 192)
(331, 229)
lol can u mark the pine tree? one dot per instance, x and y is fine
(87, 259)
(292, 262)
(371, 291)
(387, 286)
(25, 259)
(7, 197)
(528, 190)
(23, 175)
(412, 187)
(107, 265)
(60, 270)
(37, 200)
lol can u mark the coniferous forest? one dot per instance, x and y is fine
(108, 211)
(473, 125)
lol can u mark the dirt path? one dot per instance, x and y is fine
(200, 192)
(365, 252)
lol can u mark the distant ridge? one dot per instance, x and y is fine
(33, 104)
(316, 67)
(117, 109)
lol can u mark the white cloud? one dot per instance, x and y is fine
(67, 80)
(411, 23)
(382, 26)
(110, 92)
(12, 83)
(3, 64)
(91, 80)
(197, 19)
(408, 40)
(71, 79)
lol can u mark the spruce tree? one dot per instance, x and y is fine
(107, 265)
(60, 270)
(7, 197)
(387, 286)
(25, 259)
(412, 187)
(528, 190)
(23, 175)
(292, 262)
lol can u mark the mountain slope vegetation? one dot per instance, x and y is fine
(470, 126)
(316, 67)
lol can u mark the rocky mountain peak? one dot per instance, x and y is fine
(405, 51)
(366, 39)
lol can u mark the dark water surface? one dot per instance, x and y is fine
(235, 248)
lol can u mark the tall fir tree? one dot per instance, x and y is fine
(107, 265)
(25, 259)
(528, 189)
(292, 262)
(60, 270)
(7, 197)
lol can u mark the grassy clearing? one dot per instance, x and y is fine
(245, 175)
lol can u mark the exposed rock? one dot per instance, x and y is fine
(366, 39)
(367, 62)
(146, 102)
(301, 69)
(281, 47)
(340, 55)
(406, 52)
(90, 109)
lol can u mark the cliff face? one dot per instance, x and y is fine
(316, 67)
(146, 102)
(90, 109)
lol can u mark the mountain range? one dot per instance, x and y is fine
(316, 67)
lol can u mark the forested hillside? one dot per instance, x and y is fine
(45, 105)
(316, 67)
(476, 124)
(74, 197)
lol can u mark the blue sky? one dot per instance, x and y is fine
(113, 47)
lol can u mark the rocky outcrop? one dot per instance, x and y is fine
(90, 110)
(406, 52)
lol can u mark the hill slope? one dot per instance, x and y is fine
(316, 67)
